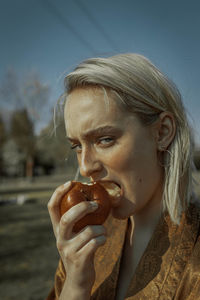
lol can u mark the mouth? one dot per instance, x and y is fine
(113, 188)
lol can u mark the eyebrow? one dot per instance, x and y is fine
(97, 132)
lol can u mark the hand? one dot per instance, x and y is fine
(76, 250)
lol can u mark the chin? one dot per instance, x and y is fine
(125, 210)
(117, 213)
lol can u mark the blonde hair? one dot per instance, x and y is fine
(144, 90)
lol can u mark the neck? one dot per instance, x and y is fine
(145, 221)
(139, 233)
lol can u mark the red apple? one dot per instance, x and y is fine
(87, 192)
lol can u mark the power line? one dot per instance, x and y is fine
(55, 12)
(97, 25)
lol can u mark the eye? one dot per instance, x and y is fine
(76, 147)
(106, 141)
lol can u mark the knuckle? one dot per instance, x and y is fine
(50, 206)
(64, 221)
(56, 194)
(59, 245)
(59, 190)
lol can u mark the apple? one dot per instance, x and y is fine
(88, 192)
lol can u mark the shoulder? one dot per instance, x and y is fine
(193, 214)
(192, 232)
(189, 287)
(193, 219)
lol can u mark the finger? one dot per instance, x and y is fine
(73, 215)
(87, 234)
(91, 247)
(54, 204)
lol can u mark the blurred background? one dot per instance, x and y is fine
(41, 41)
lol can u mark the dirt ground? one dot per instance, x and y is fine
(27, 251)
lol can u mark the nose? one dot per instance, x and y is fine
(89, 163)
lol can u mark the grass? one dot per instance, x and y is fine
(28, 252)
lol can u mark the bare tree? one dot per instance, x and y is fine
(27, 93)
(25, 104)
(36, 99)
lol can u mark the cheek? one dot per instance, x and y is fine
(139, 164)
(119, 159)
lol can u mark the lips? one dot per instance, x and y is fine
(114, 190)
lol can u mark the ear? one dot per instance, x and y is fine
(165, 130)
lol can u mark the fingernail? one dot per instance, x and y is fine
(94, 205)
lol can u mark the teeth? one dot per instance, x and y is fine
(112, 188)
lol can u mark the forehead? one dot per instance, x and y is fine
(92, 107)
(89, 98)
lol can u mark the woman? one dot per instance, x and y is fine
(127, 124)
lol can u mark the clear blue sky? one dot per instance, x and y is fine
(51, 37)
